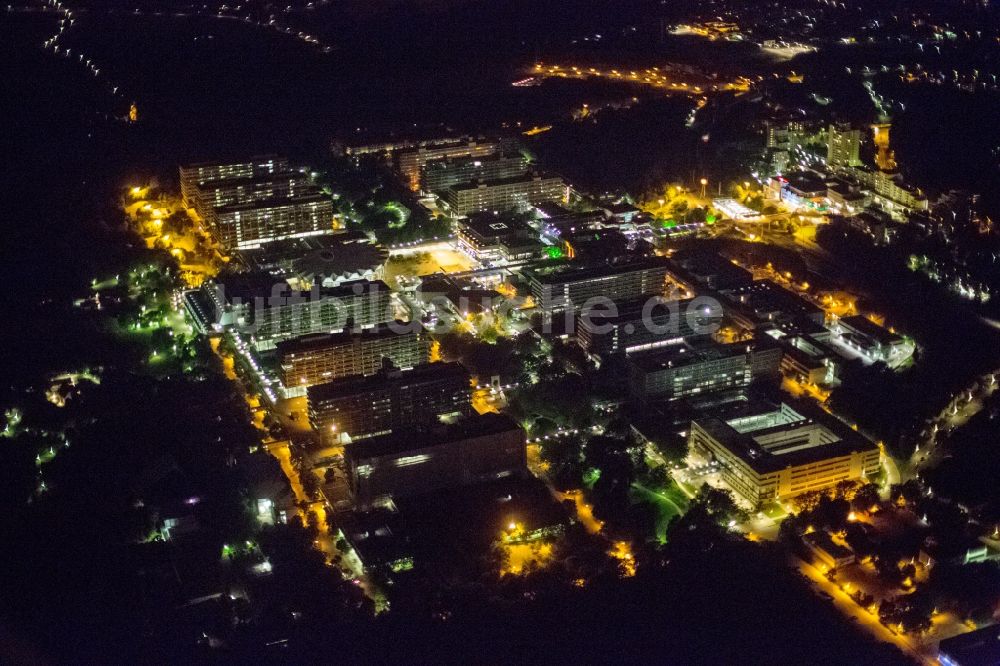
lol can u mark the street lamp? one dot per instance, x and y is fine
(704, 182)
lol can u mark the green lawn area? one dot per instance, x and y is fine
(669, 502)
(774, 511)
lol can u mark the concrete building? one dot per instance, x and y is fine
(267, 310)
(868, 338)
(519, 193)
(687, 370)
(195, 175)
(778, 452)
(763, 304)
(397, 465)
(248, 204)
(440, 175)
(490, 237)
(316, 359)
(410, 162)
(248, 225)
(362, 406)
(642, 324)
(568, 287)
(843, 146)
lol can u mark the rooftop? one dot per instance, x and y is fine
(688, 354)
(783, 437)
(562, 273)
(316, 341)
(414, 439)
(355, 384)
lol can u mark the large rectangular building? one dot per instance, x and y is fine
(685, 370)
(781, 452)
(412, 161)
(195, 176)
(268, 310)
(316, 359)
(643, 324)
(439, 175)
(396, 465)
(248, 204)
(519, 193)
(245, 226)
(568, 287)
(362, 406)
(488, 237)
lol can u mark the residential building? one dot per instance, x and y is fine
(779, 452)
(195, 175)
(248, 204)
(413, 160)
(316, 359)
(440, 175)
(421, 460)
(519, 193)
(843, 146)
(362, 406)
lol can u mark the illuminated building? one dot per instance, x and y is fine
(519, 193)
(412, 161)
(488, 237)
(362, 406)
(268, 310)
(568, 287)
(328, 261)
(867, 338)
(639, 326)
(195, 175)
(885, 158)
(763, 304)
(439, 175)
(249, 225)
(247, 204)
(421, 460)
(688, 369)
(843, 146)
(786, 135)
(316, 359)
(778, 452)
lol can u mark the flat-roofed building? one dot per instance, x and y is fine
(316, 359)
(413, 160)
(781, 452)
(519, 193)
(568, 287)
(249, 225)
(439, 175)
(195, 175)
(497, 238)
(643, 324)
(267, 309)
(865, 336)
(687, 370)
(422, 460)
(763, 304)
(248, 204)
(362, 406)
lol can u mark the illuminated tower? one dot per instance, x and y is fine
(843, 146)
(133, 113)
(885, 158)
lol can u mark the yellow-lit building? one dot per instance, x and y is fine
(779, 452)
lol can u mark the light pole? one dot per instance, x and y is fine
(704, 183)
